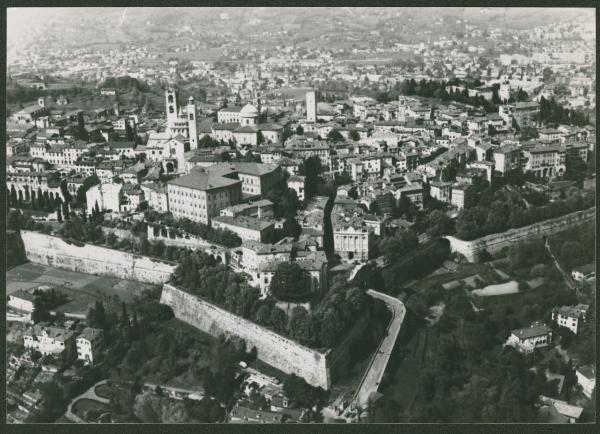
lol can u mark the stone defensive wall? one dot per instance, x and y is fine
(91, 259)
(496, 242)
(273, 349)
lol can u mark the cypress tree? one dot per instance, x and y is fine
(66, 214)
(59, 215)
(40, 199)
(13, 195)
(49, 203)
(124, 315)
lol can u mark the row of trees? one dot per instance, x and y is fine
(222, 237)
(502, 215)
(437, 89)
(552, 112)
(44, 302)
(15, 249)
(18, 94)
(37, 201)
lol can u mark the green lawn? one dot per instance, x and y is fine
(464, 271)
(89, 409)
(104, 391)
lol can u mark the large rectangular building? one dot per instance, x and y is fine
(546, 161)
(201, 194)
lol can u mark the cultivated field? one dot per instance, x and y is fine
(82, 289)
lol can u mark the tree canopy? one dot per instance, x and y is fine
(291, 283)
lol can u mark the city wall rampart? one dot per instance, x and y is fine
(91, 259)
(496, 242)
(274, 349)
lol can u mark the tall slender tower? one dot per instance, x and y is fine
(401, 106)
(171, 100)
(192, 123)
(257, 101)
(311, 106)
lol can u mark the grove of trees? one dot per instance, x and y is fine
(291, 282)
(502, 215)
(327, 321)
(222, 237)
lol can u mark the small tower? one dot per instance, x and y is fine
(401, 106)
(192, 123)
(116, 108)
(41, 101)
(504, 91)
(171, 104)
(311, 106)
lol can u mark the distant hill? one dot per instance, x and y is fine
(82, 26)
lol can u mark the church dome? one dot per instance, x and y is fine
(249, 111)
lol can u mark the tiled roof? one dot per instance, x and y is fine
(533, 331)
(201, 179)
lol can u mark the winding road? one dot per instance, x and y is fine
(372, 378)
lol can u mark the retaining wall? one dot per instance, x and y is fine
(187, 241)
(91, 259)
(274, 349)
(496, 242)
(170, 239)
(121, 234)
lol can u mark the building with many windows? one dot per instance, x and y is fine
(47, 340)
(546, 161)
(248, 228)
(527, 339)
(88, 344)
(202, 194)
(569, 316)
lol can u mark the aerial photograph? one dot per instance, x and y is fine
(329, 215)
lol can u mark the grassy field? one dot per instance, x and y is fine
(104, 391)
(89, 409)
(82, 289)
(483, 270)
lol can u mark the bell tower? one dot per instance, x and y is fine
(192, 117)
(171, 104)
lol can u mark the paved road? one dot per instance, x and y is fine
(374, 374)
